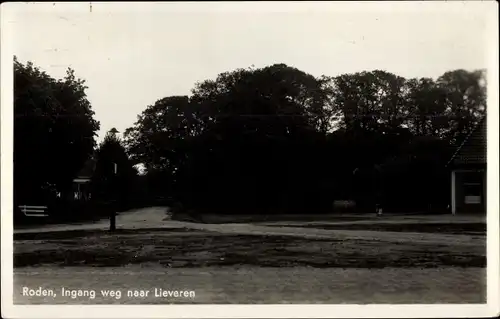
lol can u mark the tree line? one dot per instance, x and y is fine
(264, 140)
(277, 139)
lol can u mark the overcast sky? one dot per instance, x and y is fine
(133, 54)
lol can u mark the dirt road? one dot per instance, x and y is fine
(259, 285)
(156, 218)
(222, 264)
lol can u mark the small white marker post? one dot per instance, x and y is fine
(112, 217)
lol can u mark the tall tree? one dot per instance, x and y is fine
(427, 108)
(247, 127)
(370, 101)
(279, 139)
(54, 131)
(115, 176)
(465, 101)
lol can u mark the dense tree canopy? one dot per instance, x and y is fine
(269, 140)
(115, 178)
(279, 139)
(54, 130)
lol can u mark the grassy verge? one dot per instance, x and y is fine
(176, 248)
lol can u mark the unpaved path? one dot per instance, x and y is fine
(250, 283)
(260, 285)
(156, 218)
(142, 218)
(398, 237)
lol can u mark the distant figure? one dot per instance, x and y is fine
(378, 209)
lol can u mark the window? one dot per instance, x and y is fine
(473, 193)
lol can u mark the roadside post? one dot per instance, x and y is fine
(112, 217)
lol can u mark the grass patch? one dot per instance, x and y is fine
(177, 248)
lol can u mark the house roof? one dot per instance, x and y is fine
(473, 148)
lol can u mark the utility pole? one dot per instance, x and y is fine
(112, 216)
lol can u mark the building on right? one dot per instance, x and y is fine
(468, 173)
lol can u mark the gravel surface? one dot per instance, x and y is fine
(257, 285)
(281, 262)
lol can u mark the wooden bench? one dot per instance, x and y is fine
(34, 211)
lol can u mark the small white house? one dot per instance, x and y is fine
(81, 183)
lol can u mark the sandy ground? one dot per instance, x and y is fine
(145, 218)
(155, 218)
(273, 270)
(259, 285)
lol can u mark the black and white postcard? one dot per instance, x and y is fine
(249, 159)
